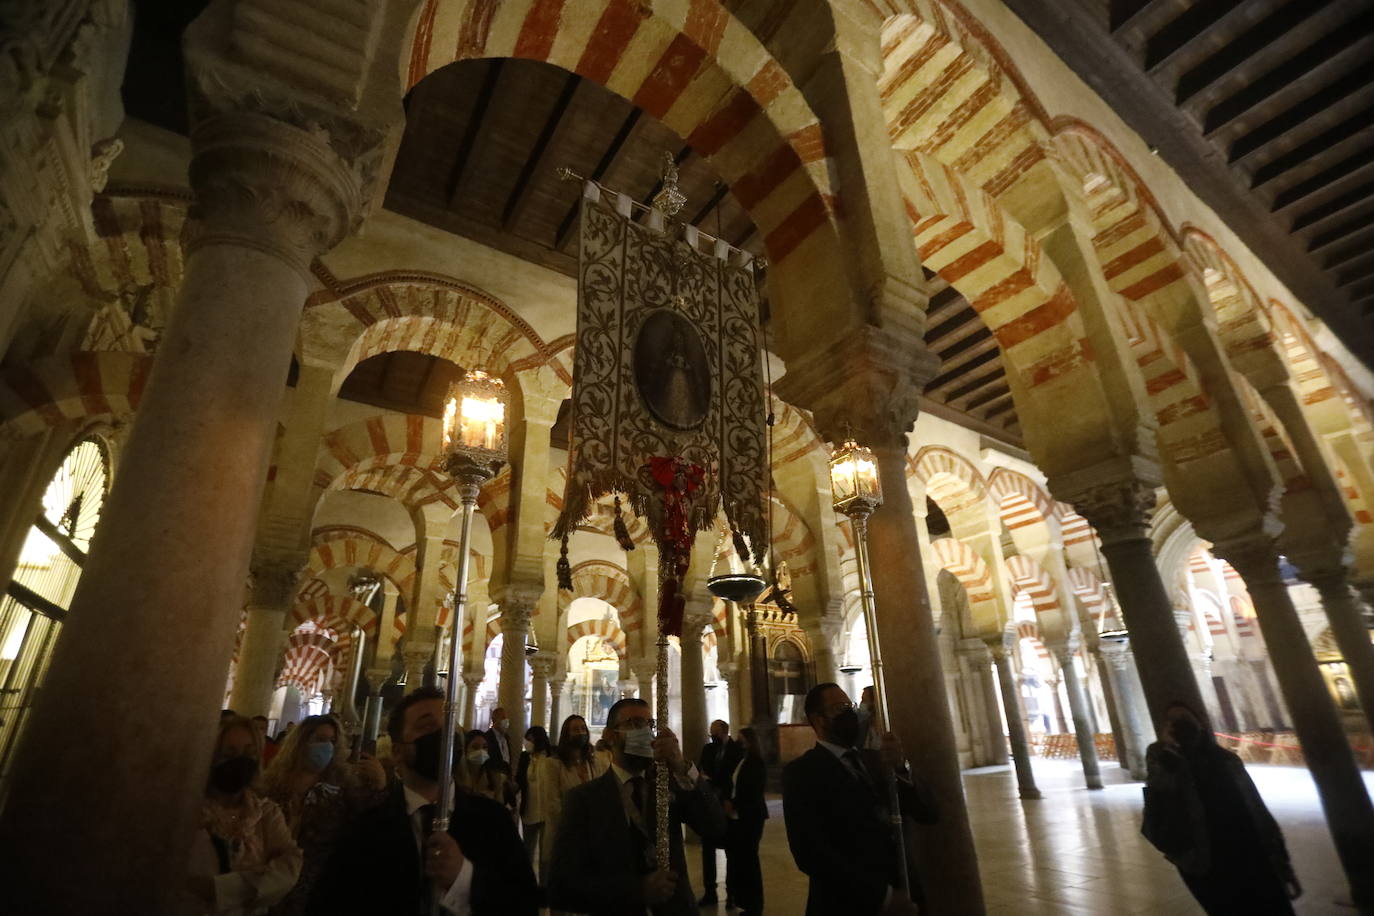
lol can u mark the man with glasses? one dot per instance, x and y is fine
(603, 857)
(835, 804)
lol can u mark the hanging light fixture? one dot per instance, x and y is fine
(854, 483)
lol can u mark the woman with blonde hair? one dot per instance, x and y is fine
(243, 859)
(320, 792)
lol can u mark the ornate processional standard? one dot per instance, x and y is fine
(668, 403)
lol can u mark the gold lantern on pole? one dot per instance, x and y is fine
(856, 491)
(474, 449)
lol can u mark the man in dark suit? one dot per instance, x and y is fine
(718, 760)
(603, 857)
(835, 803)
(498, 743)
(388, 861)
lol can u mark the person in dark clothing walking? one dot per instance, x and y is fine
(746, 809)
(835, 804)
(717, 762)
(1204, 813)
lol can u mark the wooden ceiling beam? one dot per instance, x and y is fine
(1356, 269)
(1172, 44)
(969, 340)
(950, 377)
(1317, 154)
(1318, 112)
(1359, 241)
(628, 129)
(992, 374)
(1139, 17)
(1335, 177)
(543, 152)
(1348, 231)
(1350, 203)
(458, 173)
(992, 394)
(1280, 33)
(1321, 62)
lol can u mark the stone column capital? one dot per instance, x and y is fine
(556, 686)
(1116, 653)
(1063, 648)
(472, 681)
(272, 580)
(1254, 556)
(542, 664)
(695, 622)
(1118, 510)
(975, 651)
(866, 382)
(518, 604)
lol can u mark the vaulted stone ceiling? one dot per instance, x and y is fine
(1265, 108)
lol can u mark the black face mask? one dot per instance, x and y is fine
(844, 728)
(234, 775)
(427, 750)
(578, 741)
(1186, 732)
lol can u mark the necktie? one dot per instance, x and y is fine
(856, 766)
(637, 794)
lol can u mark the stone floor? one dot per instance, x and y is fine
(1080, 852)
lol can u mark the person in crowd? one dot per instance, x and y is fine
(243, 859)
(269, 744)
(603, 858)
(746, 809)
(717, 762)
(391, 861)
(320, 792)
(1204, 813)
(537, 779)
(498, 742)
(576, 764)
(835, 805)
(477, 772)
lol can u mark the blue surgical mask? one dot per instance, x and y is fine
(319, 755)
(639, 742)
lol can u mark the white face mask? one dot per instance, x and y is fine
(639, 742)
(478, 758)
(503, 724)
(529, 745)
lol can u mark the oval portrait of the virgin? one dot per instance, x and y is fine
(671, 371)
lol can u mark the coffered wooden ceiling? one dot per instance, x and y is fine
(1265, 108)
(483, 139)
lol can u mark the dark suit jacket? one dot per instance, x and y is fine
(375, 867)
(838, 830)
(498, 760)
(718, 762)
(748, 788)
(597, 867)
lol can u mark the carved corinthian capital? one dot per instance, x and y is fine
(868, 381)
(1119, 510)
(273, 580)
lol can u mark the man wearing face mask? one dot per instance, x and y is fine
(391, 862)
(1203, 812)
(835, 803)
(603, 858)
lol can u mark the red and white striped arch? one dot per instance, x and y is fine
(1242, 320)
(950, 479)
(688, 63)
(71, 388)
(973, 574)
(610, 583)
(945, 92)
(340, 613)
(793, 542)
(974, 245)
(1091, 591)
(1030, 630)
(1030, 577)
(1022, 502)
(349, 548)
(601, 628)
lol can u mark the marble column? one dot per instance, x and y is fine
(1016, 721)
(1120, 511)
(644, 674)
(517, 611)
(989, 747)
(1118, 667)
(1325, 747)
(1078, 709)
(556, 685)
(694, 622)
(273, 582)
(418, 653)
(541, 668)
(270, 197)
(470, 684)
(762, 716)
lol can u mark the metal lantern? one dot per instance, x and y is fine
(854, 479)
(475, 427)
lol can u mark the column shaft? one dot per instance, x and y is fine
(1325, 747)
(261, 648)
(470, 684)
(1082, 719)
(693, 735)
(555, 707)
(191, 475)
(918, 709)
(987, 688)
(1016, 723)
(511, 689)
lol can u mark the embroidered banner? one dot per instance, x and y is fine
(666, 366)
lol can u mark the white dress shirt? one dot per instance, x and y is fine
(458, 898)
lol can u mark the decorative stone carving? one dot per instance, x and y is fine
(273, 580)
(542, 665)
(1119, 510)
(103, 155)
(1254, 556)
(518, 604)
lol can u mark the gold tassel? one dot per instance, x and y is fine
(622, 534)
(564, 567)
